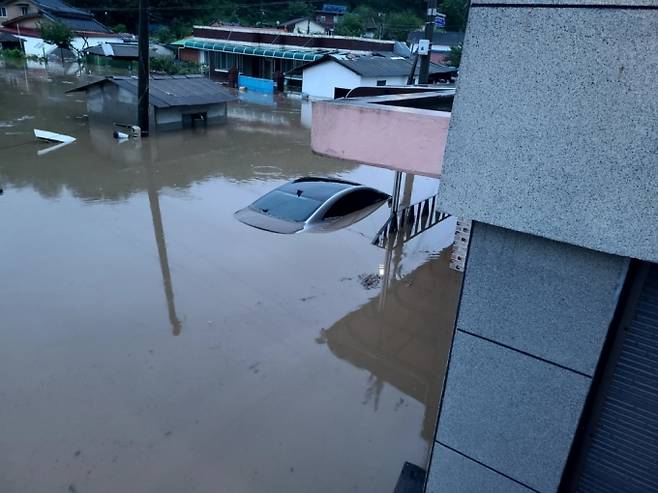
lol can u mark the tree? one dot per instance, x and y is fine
(295, 10)
(456, 12)
(58, 34)
(220, 10)
(165, 36)
(398, 25)
(120, 28)
(350, 25)
(454, 58)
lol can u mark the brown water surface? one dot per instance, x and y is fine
(149, 342)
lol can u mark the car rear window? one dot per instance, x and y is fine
(287, 206)
(354, 201)
(316, 190)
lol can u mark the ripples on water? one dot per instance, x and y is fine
(176, 348)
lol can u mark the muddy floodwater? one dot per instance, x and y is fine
(149, 342)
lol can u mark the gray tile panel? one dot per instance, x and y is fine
(510, 411)
(451, 472)
(552, 300)
(554, 129)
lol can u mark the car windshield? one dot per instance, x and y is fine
(287, 205)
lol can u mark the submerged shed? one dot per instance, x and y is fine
(175, 101)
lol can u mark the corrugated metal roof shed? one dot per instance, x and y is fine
(118, 50)
(381, 66)
(61, 7)
(78, 24)
(125, 50)
(172, 90)
(74, 18)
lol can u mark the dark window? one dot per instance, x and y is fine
(24, 10)
(381, 82)
(287, 206)
(194, 120)
(353, 202)
(3, 12)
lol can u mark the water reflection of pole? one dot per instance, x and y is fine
(158, 230)
(395, 242)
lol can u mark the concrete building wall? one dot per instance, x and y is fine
(533, 318)
(553, 136)
(14, 8)
(361, 130)
(320, 81)
(554, 129)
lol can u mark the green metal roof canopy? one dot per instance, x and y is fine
(305, 56)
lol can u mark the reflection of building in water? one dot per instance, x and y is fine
(405, 341)
(306, 117)
(100, 168)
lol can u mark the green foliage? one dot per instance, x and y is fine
(351, 25)
(180, 29)
(454, 58)
(56, 33)
(177, 30)
(224, 10)
(16, 55)
(393, 19)
(295, 10)
(165, 36)
(456, 12)
(120, 28)
(13, 54)
(399, 24)
(173, 67)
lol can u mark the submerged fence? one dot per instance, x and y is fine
(408, 222)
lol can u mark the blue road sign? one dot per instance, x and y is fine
(440, 21)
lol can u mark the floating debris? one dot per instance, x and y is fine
(370, 281)
(47, 136)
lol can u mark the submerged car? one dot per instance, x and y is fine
(312, 204)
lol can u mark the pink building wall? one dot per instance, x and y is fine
(403, 139)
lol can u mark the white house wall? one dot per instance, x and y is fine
(319, 81)
(303, 27)
(390, 80)
(36, 46)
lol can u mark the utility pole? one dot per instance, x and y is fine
(143, 83)
(429, 33)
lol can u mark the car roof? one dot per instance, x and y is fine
(318, 189)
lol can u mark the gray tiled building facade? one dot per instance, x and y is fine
(553, 152)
